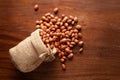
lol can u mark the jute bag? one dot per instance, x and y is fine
(31, 52)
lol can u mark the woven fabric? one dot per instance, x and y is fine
(31, 52)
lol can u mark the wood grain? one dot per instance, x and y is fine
(101, 33)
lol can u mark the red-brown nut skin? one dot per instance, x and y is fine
(81, 43)
(70, 56)
(62, 33)
(55, 10)
(62, 60)
(75, 19)
(36, 7)
(78, 27)
(63, 67)
(80, 50)
(79, 35)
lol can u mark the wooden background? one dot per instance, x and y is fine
(100, 20)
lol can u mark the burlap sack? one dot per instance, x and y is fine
(31, 52)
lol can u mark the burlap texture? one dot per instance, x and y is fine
(31, 52)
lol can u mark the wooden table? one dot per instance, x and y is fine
(100, 20)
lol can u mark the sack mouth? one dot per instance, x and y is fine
(26, 55)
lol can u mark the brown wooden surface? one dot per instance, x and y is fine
(101, 33)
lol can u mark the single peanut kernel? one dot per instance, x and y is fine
(67, 36)
(56, 18)
(59, 55)
(52, 16)
(62, 60)
(63, 46)
(75, 19)
(55, 10)
(62, 53)
(69, 21)
(63, 15)
(61, 23)
(50, 23)
(71, 17)
(47, 41)
(78, 27)
(51, 46)
(65, 19)
(47, 24)
(64, 57)
(81, 43)
(63, 67)
(54, 37)
(47, 14)
(36, 7)
(73, 22)
(68, 50)
(41, 33)
(43, 18)
(56, 27)
(67, 32)
(47, 30)
(53, 29)
(58, 23)
(62, 27)
(73, 39)
(66, 24)
(58, 30)
(79, 35)
(37, 22)
(44, 39)
(63, 40)
(73, 43)
(53, 21)
(76, 41)
(80, 50)
(76, 35)
(59, 19)
(72, 35)
(68, 43)
(37, 26)
(75, 30)
(70, 56)
(56, 44)
(64, 30)
(69, 28)
(43, 28)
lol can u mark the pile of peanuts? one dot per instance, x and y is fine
(61, 32)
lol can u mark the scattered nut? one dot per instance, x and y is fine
(62, 60)
(56, 10)
(51, 46)
(75, 19)
(80, 50)
(62, 16)
(76, 41)
(37, 22)
(70, 56)
(68, 50)
(64, 57)
(71, 17)
(78, 27)
(63, 33)
(36, 7)
(63, 66)
(79, 35)
(81, 43)
(37, 26)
